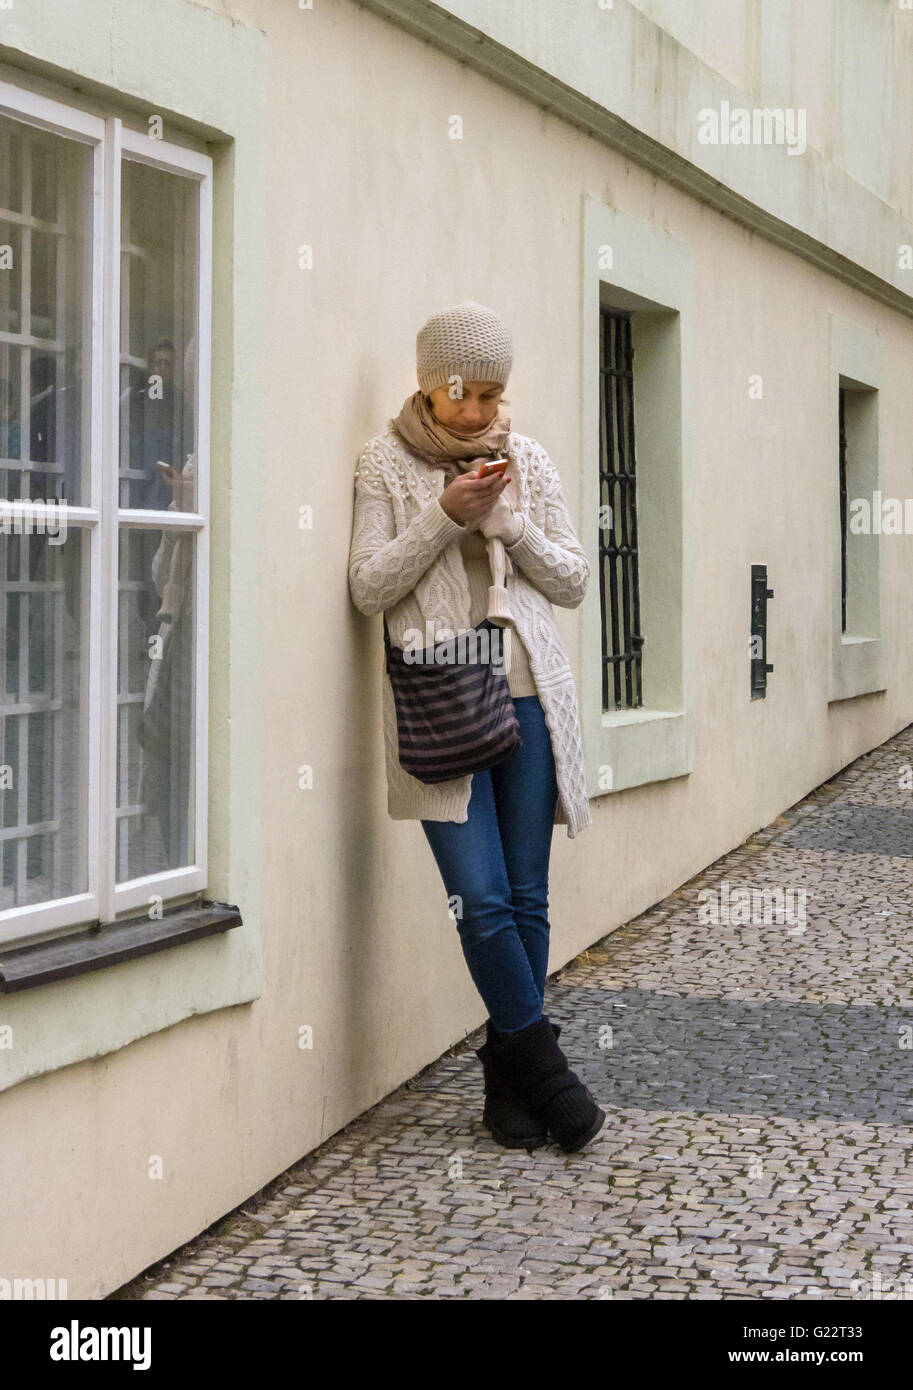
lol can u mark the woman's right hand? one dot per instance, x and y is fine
(468, 499)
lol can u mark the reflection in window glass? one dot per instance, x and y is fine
(158, 338)
(155, 704)
(43, 753)
(45, 314)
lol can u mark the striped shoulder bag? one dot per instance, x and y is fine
(454, 711)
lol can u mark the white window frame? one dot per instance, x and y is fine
(111, 142)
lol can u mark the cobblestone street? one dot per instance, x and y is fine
(758, 1080)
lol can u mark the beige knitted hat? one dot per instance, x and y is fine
(467, 340)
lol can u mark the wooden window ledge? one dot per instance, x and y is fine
(98, 946)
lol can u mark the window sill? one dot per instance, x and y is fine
(856, 667)
(633, 747)
(613, 719)
(97, 947)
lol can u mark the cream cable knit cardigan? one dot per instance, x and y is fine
(405, 559)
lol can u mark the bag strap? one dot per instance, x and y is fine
(386, 634)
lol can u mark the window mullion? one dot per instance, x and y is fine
(107, 589)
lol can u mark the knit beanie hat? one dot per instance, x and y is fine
(467, 340)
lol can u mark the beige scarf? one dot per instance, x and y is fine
(441, 448)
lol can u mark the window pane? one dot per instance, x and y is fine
(155, 701)
(45, 314)
(11, 278)
(159, 337)
(43, 754)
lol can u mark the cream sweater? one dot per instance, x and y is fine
(406, 558)
(478, 571)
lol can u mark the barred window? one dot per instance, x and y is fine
(104, 326)
(618, 574)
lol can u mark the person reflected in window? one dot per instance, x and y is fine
(10, 432)
(161, 429)
(165, 728)
(161, 434)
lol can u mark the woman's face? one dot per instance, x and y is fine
(477, 407)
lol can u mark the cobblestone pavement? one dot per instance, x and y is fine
(758, 1079)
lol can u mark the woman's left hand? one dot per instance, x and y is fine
(502, 521)
(182, 488)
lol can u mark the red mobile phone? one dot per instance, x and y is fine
(493, 466)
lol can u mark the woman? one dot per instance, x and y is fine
(422, 522)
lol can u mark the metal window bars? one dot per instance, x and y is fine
(622, 640)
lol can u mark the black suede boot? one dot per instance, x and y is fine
(511, 1122)
(532, 1064)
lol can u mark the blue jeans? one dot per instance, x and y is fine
(496, 865)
